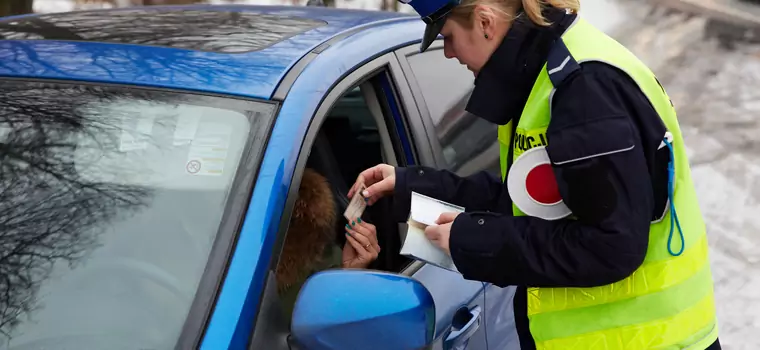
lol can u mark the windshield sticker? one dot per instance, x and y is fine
(5, 132)
(136, 138)
(208, 150)
(185, 130)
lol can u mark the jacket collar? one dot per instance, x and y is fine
(504, 83)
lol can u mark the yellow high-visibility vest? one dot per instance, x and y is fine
(667, 303)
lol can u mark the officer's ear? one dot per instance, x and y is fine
(484, 19)
(492, 20)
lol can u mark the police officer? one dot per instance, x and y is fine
(628, 267)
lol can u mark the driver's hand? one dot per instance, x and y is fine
(361, 246)
(380, 181)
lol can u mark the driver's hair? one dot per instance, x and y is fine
(311, 229)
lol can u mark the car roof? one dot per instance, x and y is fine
(239, 50)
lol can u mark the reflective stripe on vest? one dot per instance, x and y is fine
(667, 303)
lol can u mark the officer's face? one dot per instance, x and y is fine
(468, 42)
(461, 43)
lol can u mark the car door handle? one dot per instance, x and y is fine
(458, 337)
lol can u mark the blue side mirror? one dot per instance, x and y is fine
(360, 309)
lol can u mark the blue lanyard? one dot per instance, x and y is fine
(671, 190)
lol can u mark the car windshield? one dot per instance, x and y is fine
(110, 202)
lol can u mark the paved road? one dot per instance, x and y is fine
(716, 90)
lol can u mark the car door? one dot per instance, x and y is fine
(463, 144)
(460, 304)
(374, 90)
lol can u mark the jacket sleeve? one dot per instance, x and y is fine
(602, 175)
(448, 187)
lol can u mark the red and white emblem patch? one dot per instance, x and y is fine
(533, 187)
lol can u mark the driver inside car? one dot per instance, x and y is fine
(310, 244)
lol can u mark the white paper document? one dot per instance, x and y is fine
(136, 135)
(424, 212)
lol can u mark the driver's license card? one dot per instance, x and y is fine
(357, 205)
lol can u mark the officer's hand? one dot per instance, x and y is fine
(380, 180)
(439, 234)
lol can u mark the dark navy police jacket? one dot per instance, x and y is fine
(614, 197)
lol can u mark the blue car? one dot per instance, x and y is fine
(150, 159)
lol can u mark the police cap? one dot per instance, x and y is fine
(434, 14)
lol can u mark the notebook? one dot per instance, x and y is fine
(424, 212)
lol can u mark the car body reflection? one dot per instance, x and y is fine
(469, 143)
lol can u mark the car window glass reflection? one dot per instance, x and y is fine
(468, 143)
(110, 200)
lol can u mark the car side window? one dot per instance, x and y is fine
(349, 140)
(468, 143)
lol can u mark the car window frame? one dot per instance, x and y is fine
(418, 118)
(236, 204)
(415, 125)
(426, 121)
(268, 336)
(488, 154)
(376, 107)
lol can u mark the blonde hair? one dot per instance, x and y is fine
(532, 8)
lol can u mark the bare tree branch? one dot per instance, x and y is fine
(49, 211)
